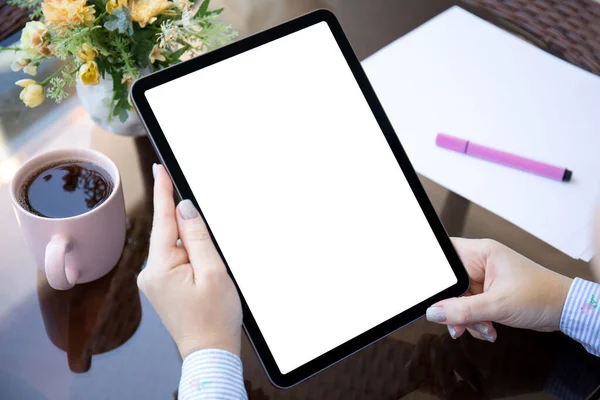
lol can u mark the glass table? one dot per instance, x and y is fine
(103, 340)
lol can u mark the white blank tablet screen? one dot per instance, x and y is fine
(302, 192)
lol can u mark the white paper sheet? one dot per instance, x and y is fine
(461, 75)
(588, 254)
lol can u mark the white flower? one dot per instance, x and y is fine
(189, 23)
(183, 5)
(19, 64)
(127, 78)
(157, 54)
(169, 35)
(33, 37)
(31, 69)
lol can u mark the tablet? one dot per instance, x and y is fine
(310, 199)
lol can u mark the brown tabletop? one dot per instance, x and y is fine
(103, 340)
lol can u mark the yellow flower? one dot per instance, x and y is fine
(86, 53)
(145, 12)
(157, 54)
(89, 74)
(33, 37)
(32, 93)
(112, 5)
(68, 11)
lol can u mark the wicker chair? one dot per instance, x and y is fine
(12, 19)
(569, 29)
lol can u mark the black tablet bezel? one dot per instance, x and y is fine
(168, 159)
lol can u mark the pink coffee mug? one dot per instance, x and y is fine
(77, 249)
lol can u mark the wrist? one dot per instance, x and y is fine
(186, 346)
(560, 292)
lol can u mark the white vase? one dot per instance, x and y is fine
(95, 98)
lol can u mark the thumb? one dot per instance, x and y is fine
(196, 239)
(463, 310)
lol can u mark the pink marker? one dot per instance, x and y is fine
(501, 157)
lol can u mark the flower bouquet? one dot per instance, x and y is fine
(116, 40)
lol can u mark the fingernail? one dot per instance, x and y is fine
(435, 314)
(154, 170)
(482, 328)
(452, 331)
(488, 338)
(187, 210)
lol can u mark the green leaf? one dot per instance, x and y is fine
(120, 96)
(120, 20)
(141, 34)
(98, 5)
(123, 115)
(103, 66)
(143, 42)
(173, 58)
(141, 52)
(203, 8)
(214, 12)
(117, 76)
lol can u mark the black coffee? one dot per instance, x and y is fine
(65, 189)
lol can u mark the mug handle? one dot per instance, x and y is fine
(55, 267)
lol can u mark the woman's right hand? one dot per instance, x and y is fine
(506, 288)
(187, 283)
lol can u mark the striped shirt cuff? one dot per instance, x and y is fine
(580, 318)
(212, 374)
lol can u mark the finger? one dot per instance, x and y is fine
(463, 310)
(164, 226)
(456, 331)
(473, 254)
(196, 238)
(484, 328)
(487, 338)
